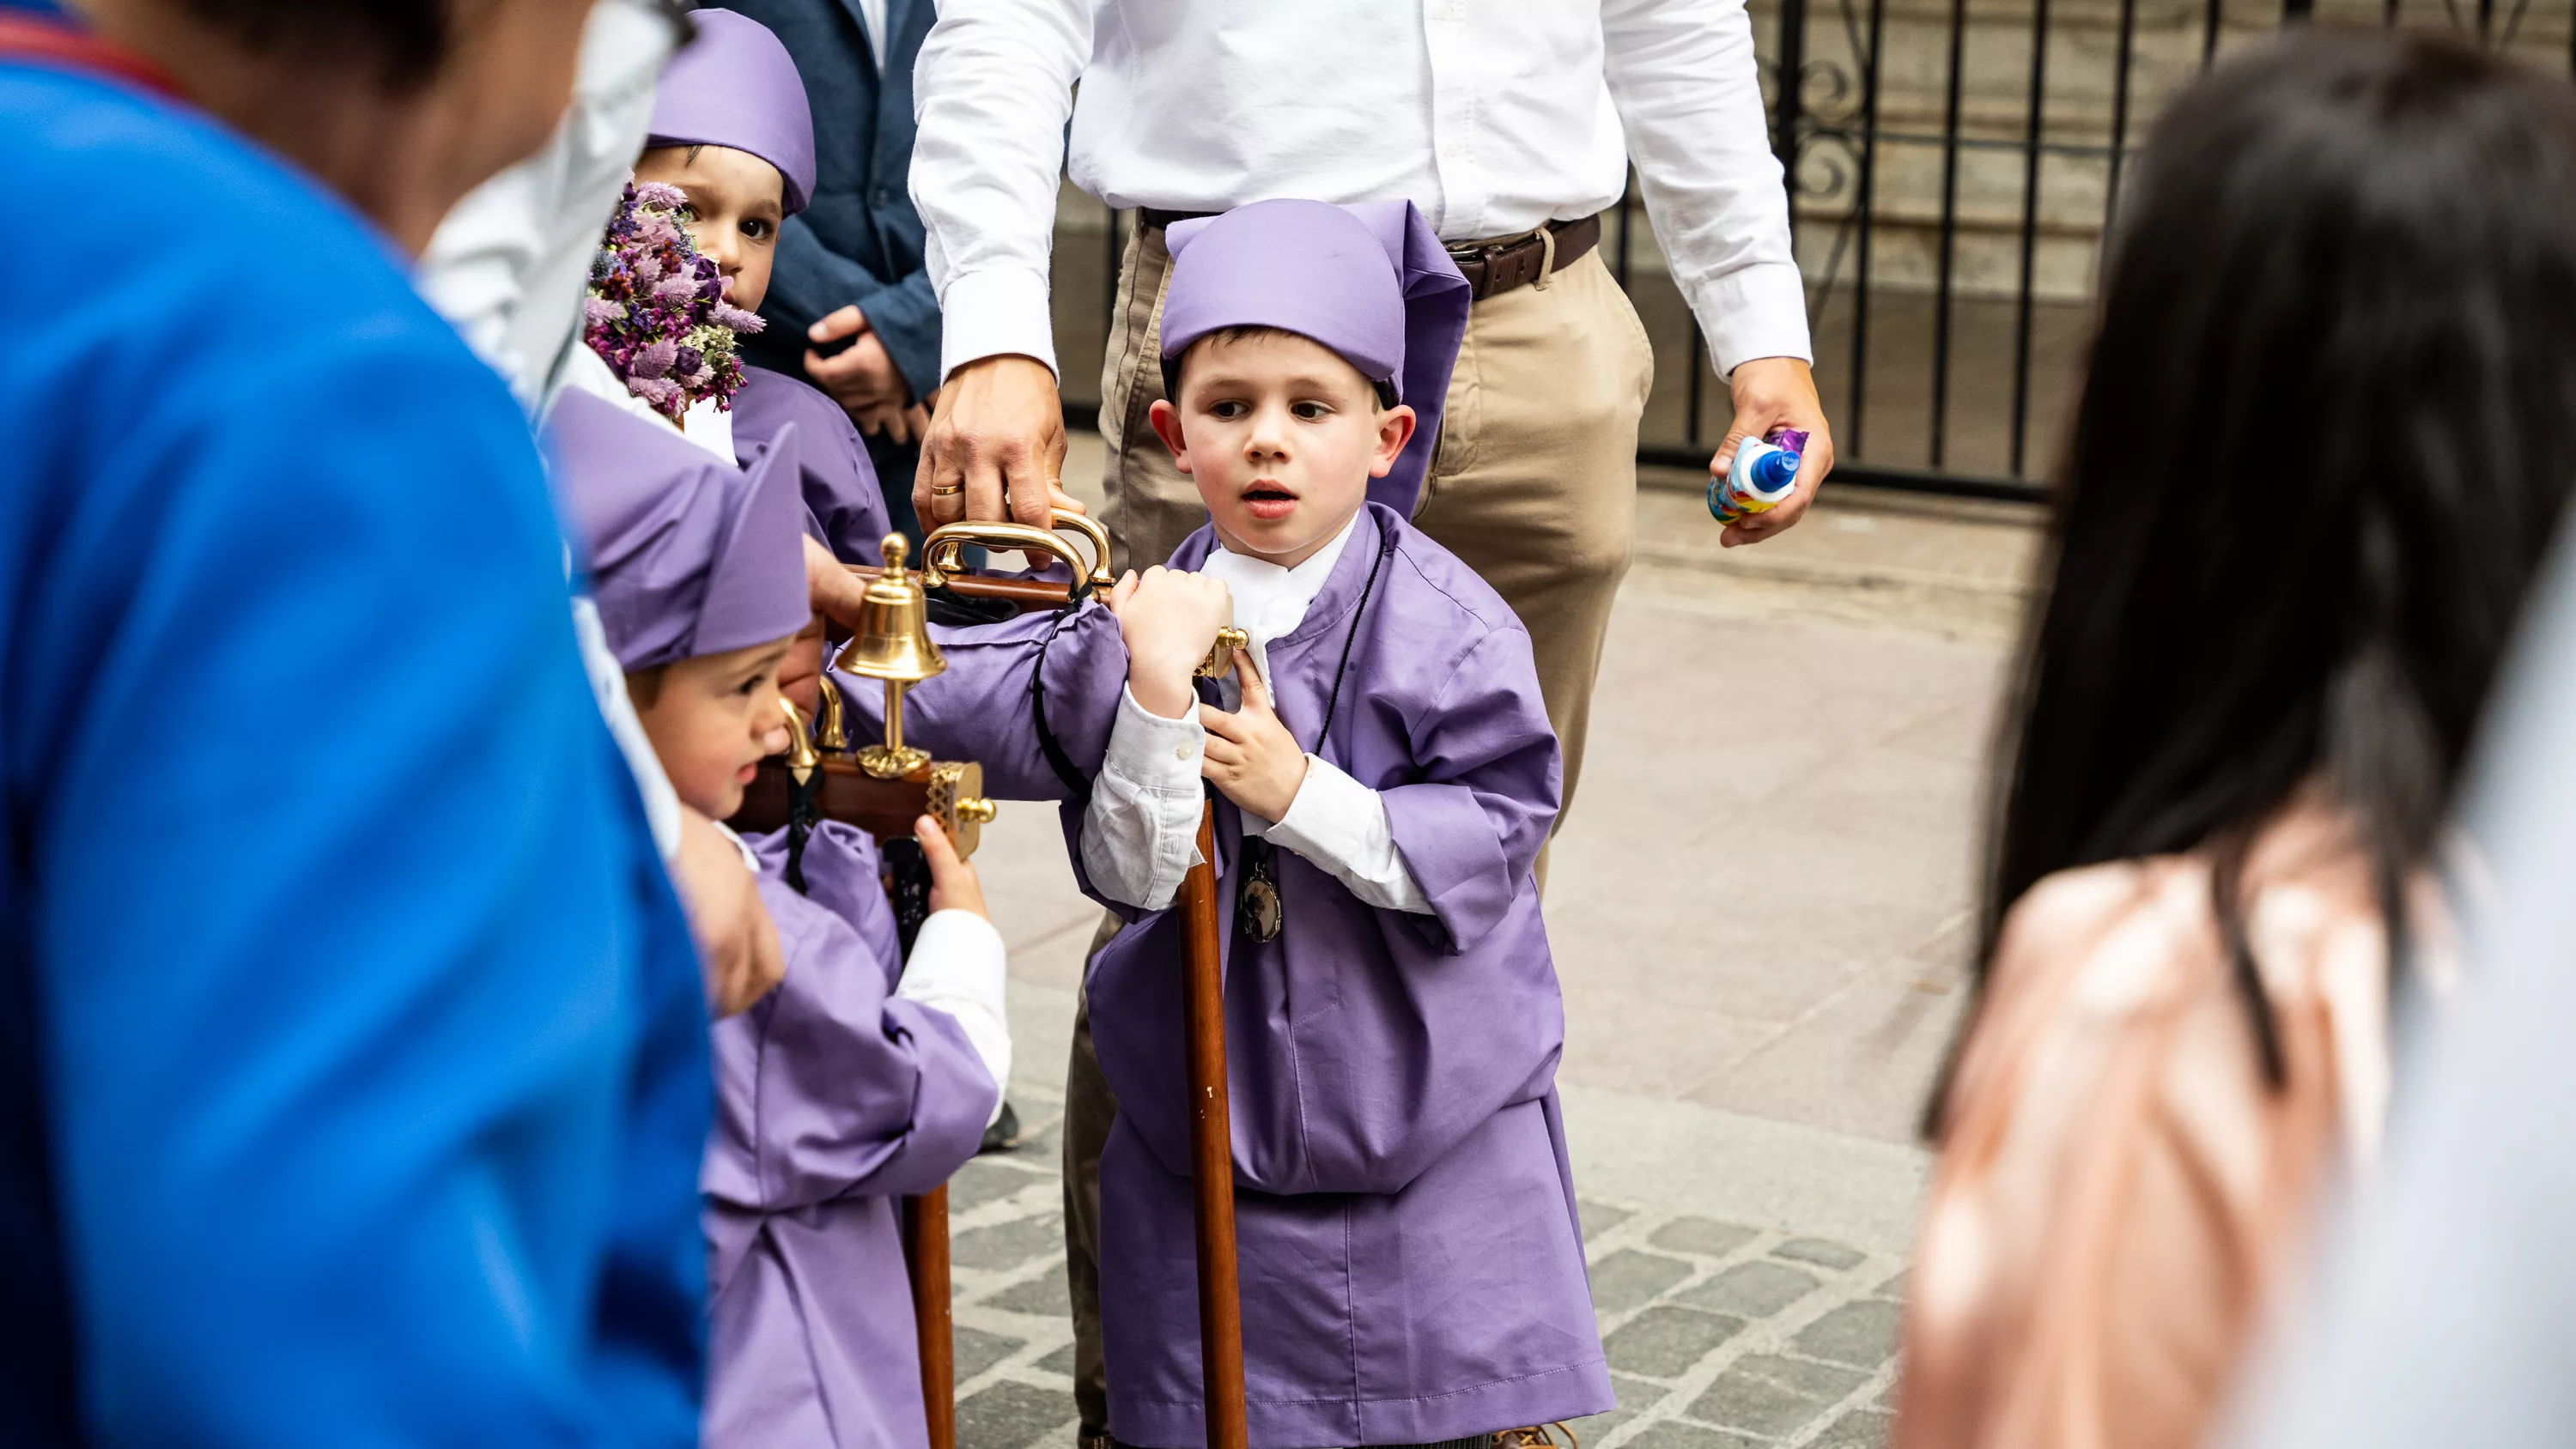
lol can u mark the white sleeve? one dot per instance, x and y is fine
(1682, 76)
(1140, 833)
(510, 262)
(608, 684)
(991, 94)
(957, 966)
(1340, 824)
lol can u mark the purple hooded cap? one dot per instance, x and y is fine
(686, 555)
(1369, 281)
(736, 86)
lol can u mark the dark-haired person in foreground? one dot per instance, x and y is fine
(2329, 424)
(353, 1069)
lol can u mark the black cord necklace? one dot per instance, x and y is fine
(1259, 911)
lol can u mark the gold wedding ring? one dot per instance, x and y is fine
(951, 491)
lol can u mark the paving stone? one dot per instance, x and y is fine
(1044, 1295)
(1895, 1286)
(987, 1179)
(1819, 1252)
(1599, 1218)
(1704, 1236)
(1672, 1435)
(1861, 1333)
(1635, 1397)
(1059, 1362)
(1887, 1396)
(1859, 1429)
(978, 1350)
(1771, 1395)
(1011, 1416)
(1664, 1341)
(1752, 1290)
(1627, 1279)
(1008, 1245)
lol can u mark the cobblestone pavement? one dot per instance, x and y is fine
(1719, 1336)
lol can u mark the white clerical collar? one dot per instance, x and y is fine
(1269, 601)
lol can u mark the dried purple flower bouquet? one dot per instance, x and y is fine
(657, 310)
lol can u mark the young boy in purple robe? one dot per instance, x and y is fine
(862, 1077)
(732, 131)
(1412, 1268)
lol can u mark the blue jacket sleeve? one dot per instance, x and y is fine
(377, 1074)
(809, 281)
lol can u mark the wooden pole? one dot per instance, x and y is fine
(925, 1251)
(1212, 1150)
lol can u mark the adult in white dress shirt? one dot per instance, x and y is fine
(1511, 127)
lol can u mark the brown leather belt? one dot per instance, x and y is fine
(1491, 269)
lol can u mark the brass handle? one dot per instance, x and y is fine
(801, 754)
(977, 810)
(941, 553)
(1220, 656)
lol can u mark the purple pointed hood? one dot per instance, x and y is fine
(1369, 281)
(736, 86)
(686, 556)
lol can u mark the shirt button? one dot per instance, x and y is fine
(1182, 752)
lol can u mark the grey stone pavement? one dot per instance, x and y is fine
(1759, 907)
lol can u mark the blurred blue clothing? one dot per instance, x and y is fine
(860, 241)
(353, 1056)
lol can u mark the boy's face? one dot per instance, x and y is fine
(712, 720)
(740, 201)
(1282, 437)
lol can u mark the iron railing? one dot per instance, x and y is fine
(1948, 216)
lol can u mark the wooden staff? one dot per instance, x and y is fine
(925, 1253)
(1212, 1150)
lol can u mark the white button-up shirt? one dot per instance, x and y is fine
(1493, 116)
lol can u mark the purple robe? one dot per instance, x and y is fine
(833, 1099)
(1404, 1209)
(845, 510)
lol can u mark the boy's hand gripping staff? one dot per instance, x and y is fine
(1763, 475)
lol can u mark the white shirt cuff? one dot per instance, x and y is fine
(1153, 752)
(959, 966)
(1754, 311)
(995, 313)
(1339, 824)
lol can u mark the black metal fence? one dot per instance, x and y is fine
(1954, 166)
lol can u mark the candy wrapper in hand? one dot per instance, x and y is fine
(1764, 474)
(657, 312)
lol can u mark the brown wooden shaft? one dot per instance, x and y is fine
(1212, 1150)
(925, 1253)
(1029, 594)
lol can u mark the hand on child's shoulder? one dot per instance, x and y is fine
(1169, 620)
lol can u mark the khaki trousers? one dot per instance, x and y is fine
(1534, 486)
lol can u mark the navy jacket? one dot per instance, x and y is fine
(860, 240)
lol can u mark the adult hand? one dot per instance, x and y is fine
(862, 377)
(737, 942)
(953, 883)
(836, 593)
(995, 448)
(800, 675)
(1250, 756)
(1775, 392)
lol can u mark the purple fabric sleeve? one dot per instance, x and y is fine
(1471, 830)
(828, 1086)
(981, 708)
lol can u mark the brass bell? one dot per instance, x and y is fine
(893, 643)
